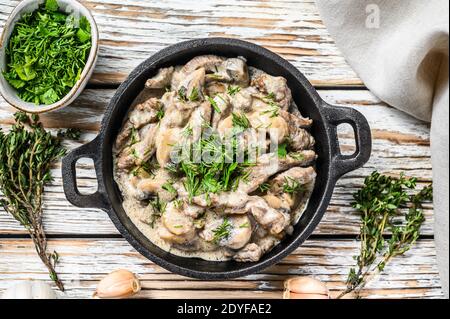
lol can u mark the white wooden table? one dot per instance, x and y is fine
(131, 31)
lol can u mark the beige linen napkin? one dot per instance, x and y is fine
(400, 50)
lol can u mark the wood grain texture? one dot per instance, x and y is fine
(84, 262)
(400, 143)
(131, 31)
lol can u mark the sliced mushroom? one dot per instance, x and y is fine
(200, 116)
(140, 152)
(223, 105)
(177, 222)
(239, 232)
(272, 219)
(145, 112)
(300, 175)
(225, 126)
(214, 88)
(161, 79)
(250, 253)
(192, 85)
(233, 200)
(300, 139)
(170, 237)
(165, 143)
(270, 164)
(275, 125)
(155, 185)
(236, 69)
(295, 120)
(123, 136)
(242, 101)
(275, 85)
(207, 62)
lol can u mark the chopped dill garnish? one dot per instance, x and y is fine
(148, 167)
(282, 150)
(297, 156)
(264, 187)
(194, 96)
(220, 173)
(168, 186)
(181, 93)
(214, 104)
(187, 131)
(245, 225)
(158, 208)
(292, 186)
(160, 114)
(134, 136)
(274, 108)
(232, 90)
(240, 121)
(222, 231)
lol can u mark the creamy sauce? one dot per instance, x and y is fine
(135, 201)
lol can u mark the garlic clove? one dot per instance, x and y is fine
(118, 284)
(305, 288)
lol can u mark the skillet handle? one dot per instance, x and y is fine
(69, 176)
(336, 115)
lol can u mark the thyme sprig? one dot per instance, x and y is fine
(380, 202)
(26, 153)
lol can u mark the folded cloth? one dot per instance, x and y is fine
(400, 49)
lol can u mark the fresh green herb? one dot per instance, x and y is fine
(222, 231)
(27, 152)
(160, 114)
(148, 167)
(134, 153)
(297, 156)
(169, 187)
(172, 168)
(282, 150)
(380, 202)
(274, 108)
(46, 53)
(187, 131)
(264, 187)
(240, 121)
(158, 208)
(70, 134)
(245, 225)
(219, 174)
(270, 97)
(178, 203)
(292, 186)
(181, 93)
(232, 90)
(134, 136)
(194, 96)
(214, 105)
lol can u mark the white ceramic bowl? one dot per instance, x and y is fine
(9, 93)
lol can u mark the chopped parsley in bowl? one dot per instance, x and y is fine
(48, 55)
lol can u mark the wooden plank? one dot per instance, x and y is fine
(84, 262)
(131, 32)
(401, 143)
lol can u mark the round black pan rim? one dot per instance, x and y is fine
(331, 164)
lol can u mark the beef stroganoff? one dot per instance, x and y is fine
(214, 160)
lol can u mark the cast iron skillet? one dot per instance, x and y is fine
(331, 164)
